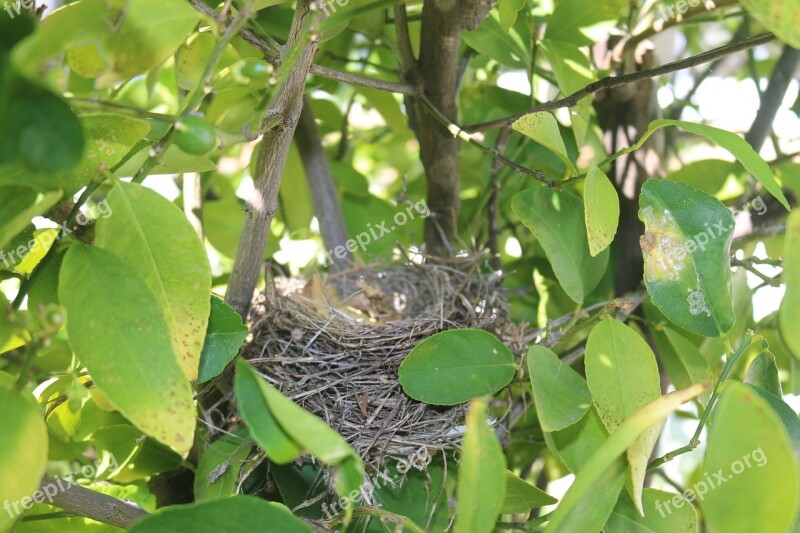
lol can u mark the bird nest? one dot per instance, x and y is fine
(334, 346)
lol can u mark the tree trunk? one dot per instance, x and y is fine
(438, 67)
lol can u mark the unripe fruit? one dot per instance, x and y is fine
(256, 70)
(195, 136)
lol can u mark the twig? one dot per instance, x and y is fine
(463, 135)
(273, 56)
(694, 442)
(120, 108)
(779, 82)
(611, 82)
(655, 28)
(80, 501)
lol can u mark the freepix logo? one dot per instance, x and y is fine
(15, 8)
(698, 491)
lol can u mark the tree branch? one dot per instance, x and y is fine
(323, 188)
(494, 153)
(611, 82)
(779, 82)
(80, 501)
(676, 20)
(282, 118)
(273, 56)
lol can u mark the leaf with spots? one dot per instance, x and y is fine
(117, 329)
(151, 235)
(686, 248)
(577, 511)
(455, 366)
(543, 128)
(622, 374)
(781, 17)
(602, 210)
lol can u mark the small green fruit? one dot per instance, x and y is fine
(256, 70)
(195, 136)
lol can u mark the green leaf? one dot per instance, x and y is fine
(508, 10)
(219, 466)
(789, 316)
(622, 373)
(556, 219)
(297, 430)
(737, 146)
(521, 496)
(258, 417)
(106, 40)
(16, 216)
(543, 128)
(117, 329)
(49, 136)
(560, 393)
(490, 40)
(225, 335)
(455, 366)
(584, 22)
(748, 445)
(763, 373)
(602, 210)
(661, 515)
(572, 513)
(23, 446)
(575, 444)
(152, 235)
(481, 486)
(686, 249)
(683, 362)
(237, 513)
(781, 17)
(108, 139)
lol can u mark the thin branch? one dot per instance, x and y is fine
(273, 56)
(694, 442)
(779, 82)
(463, 135)
(673, 21)
(611, 82)
(80, 501)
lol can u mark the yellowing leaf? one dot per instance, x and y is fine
(117, 329)
(602, 210)
(23, 447)
(153, 236)
(543, 128)
(622, 374)
(781, 17)
(576, 512)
